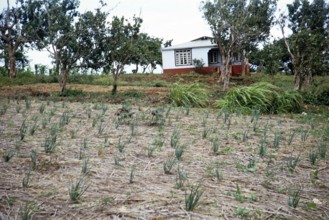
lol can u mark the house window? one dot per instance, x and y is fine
(213, 56)
(183, 57)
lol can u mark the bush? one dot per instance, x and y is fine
(316, 95)
(188, 95)
(263, 96)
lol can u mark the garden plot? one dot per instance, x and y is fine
(62, 160)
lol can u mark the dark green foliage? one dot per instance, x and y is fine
(193, 198)
(316, 95)
(263, 96)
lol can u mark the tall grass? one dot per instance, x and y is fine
(263, 96)
(188, 95)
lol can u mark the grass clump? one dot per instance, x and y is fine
(77, 189)
(188, 95)
(263, 96)
(192, 199)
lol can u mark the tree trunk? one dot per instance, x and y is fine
(243, 63)
(115, 84)
(298, 81)
(63, 78)
(12, 64)
(309, 77)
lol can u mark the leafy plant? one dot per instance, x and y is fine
(192, 198)
(77, 189)
(242, 211)
(181, 177)
(238, 195)
(277, 140)
(188, 95)
(322, 149)
(27, 211)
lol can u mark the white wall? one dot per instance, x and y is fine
(168, 58)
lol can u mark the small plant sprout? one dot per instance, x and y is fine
(218, 174)
(215, 145)
(34, 157)
(175, 136)
(77, 189)
(277, 140)
(322, 149)
(205, 132)
(26, 179)
(27, 211)
(28, 102)
(168, 165)
(192, 199)
(132, 174)
(245, 136)
(101, 128)
(313, 155)
(18, 108)
(64, 120)
(85, 143)
(181, 177)
(242, 212)
(292, 162)
(294, 196)
(132, 126)
(251, 166)
(7, 155)
(85, 166)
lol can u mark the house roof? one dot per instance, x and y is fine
(196, 43)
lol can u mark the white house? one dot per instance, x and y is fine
(179, 58)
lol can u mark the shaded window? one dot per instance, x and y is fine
(213, 56)
(183, 57)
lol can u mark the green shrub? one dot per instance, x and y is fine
(188, 95)
(263, 96)
(316, 95)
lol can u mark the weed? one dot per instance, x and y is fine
(64, 120)
(132, 126)
(304, 135)
(81, 154)
(322, 149)
(151, 150)
(94, 122)
(101, 128)
(205, 132)
(191, 95)
(277, 140)
(77, 189)
(294, 196)
(252, 163)
(121, 146)
(291, 136)
(179, 150)
(44, 123)
(158, 142)
(292, 162)
(245, 136)
(218, 175)
(262, 148)
(175, 136)
(42, 108)
(27, 211)
(181, 177)
(192, 198)
(313, 155)
(132, 174)
(26, 179)
(85, 166)
(49, 144)
(4, 109)
(22, 130)
(28, 103)
(238, 195)
(8, 155)
(168, 165)
(215, 145)
(18, 108)
(242, 211)
(85, 143)
(33, 128)
(117, 161)
(34, 157)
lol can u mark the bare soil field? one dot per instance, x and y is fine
(243, 167)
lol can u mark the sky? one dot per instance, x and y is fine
(180, 20)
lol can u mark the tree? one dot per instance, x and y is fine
(120, 46)
(70, 38)
(148, 54)
(12, 36)
(308, 44)
(234, 23)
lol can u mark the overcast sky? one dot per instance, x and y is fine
(180, 20)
